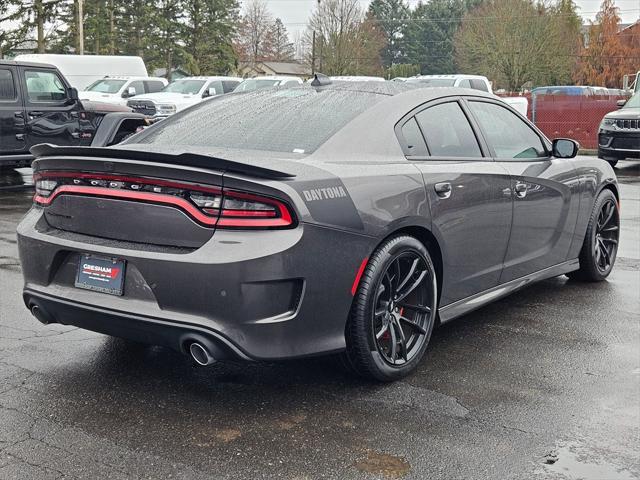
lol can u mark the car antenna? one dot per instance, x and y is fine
(320, 80)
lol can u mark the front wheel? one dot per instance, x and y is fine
(393, 312)
(600, 246)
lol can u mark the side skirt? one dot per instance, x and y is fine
(466, 305)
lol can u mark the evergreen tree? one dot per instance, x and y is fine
(430, 35)
(208, 32)
(392, 18)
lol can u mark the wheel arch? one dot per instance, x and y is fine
(614, 189)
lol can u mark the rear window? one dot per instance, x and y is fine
(296, 120)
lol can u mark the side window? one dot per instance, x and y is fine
(447, 131)
(216, 85)
(507, 133)
(44, 86)
(138, 85)
(465, 83)
(229, 85)
(7, 87)
(153, 86)
(413, 140)
(291, 83)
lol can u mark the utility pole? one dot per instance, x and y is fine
(313, 49)
(80, 28)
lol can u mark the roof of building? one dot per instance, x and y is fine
(286, 68)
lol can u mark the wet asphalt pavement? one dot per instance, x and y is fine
(543, 384)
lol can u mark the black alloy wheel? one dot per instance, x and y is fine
(393, 312)
(600, 247)
(402, 309)
(607, 233)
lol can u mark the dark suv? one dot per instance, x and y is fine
(37, 105)
(619, 135)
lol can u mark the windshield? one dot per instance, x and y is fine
(188, 87)
(433, 82)
(106, 86)
(256, 84)
(633, 102)
(296, 120)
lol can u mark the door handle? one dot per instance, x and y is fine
(36, 114)
(20, 136)
(443, 189)
(521, 189)
(19, 114)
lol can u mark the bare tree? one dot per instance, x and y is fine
(346, 41)
(254, 31)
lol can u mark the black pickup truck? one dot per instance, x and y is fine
(37, 105)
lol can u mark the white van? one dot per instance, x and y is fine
(117, 90)
(83, 70)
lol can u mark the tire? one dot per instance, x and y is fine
(600, 246)
(396, 304)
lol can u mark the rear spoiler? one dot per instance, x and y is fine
(188, 159)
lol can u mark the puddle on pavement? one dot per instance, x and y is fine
(389, 466)
(572, 466)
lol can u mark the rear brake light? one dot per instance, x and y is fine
(244, 210)
(209, 205)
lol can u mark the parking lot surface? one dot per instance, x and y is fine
(542, 384)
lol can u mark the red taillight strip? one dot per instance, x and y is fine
(172, 200)
(120, 178)
(248, 213)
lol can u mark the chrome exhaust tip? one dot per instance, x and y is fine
(200, 354)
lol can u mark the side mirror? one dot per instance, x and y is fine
(72, 95)
(565, 148)
(131, 91)
(621, 103)
(210, 92)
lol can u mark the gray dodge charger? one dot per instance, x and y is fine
(326, 218)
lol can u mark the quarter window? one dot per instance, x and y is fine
(7, 88)
(448, 132)
(413, 139)
(507, 133)
(479, 85)
(44, 86)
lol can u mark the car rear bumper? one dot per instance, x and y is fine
(258, 295)
(618, 145)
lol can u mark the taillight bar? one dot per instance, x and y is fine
(209, 205)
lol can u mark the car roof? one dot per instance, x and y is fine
(453, 76)
(130, 77)
(273, 77)
(215, 77)
(15, 63)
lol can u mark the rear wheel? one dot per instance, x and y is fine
(600, 246)
(393, 311)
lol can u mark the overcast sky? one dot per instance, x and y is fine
(295, 13)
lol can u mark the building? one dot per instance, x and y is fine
(291, 69)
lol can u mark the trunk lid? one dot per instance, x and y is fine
(134, 195)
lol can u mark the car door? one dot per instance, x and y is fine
(469, 196)
(12, 127)
(51, 117)
(545, 190)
